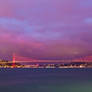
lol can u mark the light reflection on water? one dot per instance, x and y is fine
(46, 80)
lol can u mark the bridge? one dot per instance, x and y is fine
(16, 58)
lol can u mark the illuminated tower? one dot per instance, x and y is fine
(13, 60)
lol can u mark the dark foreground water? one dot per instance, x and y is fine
(45, 80)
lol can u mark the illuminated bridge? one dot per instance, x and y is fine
(31, 60)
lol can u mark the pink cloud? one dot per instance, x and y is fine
(45, 29)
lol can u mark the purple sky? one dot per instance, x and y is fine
(45, 29)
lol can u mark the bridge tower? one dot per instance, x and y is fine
(13, 60)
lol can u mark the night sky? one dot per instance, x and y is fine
(45, 29)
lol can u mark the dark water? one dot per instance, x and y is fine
(45, 80)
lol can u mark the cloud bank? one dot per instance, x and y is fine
(49, 29)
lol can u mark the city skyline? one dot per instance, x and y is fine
(45, 29)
